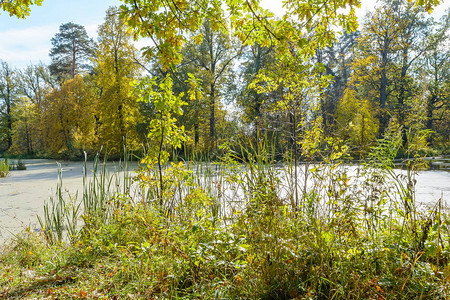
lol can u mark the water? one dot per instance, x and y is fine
(23, 193)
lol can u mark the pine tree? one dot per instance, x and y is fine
(71, 51)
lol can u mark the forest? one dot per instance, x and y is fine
(278, 155)
(354, 85)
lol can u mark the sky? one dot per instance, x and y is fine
(27, 41)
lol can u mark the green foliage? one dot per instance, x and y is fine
(117, 108)
(355, 236)
(8, 99)
(19, 165)
(71, 52)
(22, 138)
(163, 130)
(63, 211)
(67, 119)
(4, 168)
(247, 227)
(295, 68)
(18, 8)
(164, 133)
(356, 121)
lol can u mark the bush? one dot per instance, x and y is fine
(4, 168)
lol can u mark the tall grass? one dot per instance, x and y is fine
(250, 228)
(64, 210)
(4, 168)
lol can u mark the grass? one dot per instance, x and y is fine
(4, 168)
(236, 230)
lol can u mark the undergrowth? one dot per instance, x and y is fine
(4, 168)
(237, 230)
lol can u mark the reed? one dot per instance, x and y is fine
(4, 168)
(247, 227)
(64, 210)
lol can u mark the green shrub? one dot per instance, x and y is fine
(4, 168)
(21, 165)
(237, 230)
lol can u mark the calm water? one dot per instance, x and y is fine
(23, 193)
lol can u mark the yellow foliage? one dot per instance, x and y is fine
(356, 119)
(67, 120)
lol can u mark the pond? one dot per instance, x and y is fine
(23, 193)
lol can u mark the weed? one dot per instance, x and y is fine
(4, 168)
(236, 230)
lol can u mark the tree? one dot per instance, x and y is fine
(412, 44)
(247, 21)
(164, 133)
(23, 129)
(435, 73)
(256, 59)
(115, 64)
(356, 121)
(391, 42)
(8, 97)
(213, 58)
(337, 60)
(71, 51)
(35, 83)
(374, 63)
(18, 8)
(68, 119)
(195, 116)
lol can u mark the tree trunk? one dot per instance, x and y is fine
(383, 89)
(212, 122)
(196, 134)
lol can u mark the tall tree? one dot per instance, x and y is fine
(412, 43)
(116, 68)
(337, 60)
(8, 97)
(68, 119)
(213, 57)
(35, 83)
(247, 20)
(256, 59)
(71, 51)
(24, 127)
(435, 74)
(375, 60)
(392, 40)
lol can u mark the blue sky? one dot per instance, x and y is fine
(26, 41)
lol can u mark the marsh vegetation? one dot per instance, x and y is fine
(242, 122)
(237, 229)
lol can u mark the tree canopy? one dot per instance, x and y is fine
(18, 8)
(71, 51)
(240, 72)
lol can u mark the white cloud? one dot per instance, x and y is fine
(20, 47)
(91, 30)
